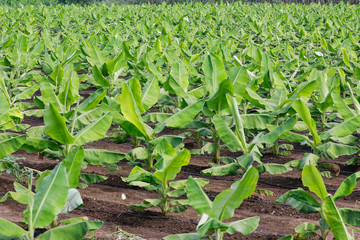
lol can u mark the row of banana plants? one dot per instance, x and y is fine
(246, 78)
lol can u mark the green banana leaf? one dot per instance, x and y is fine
(135, 88)
(73, 163)
(244, 226)
(312, 179)
(347, 186)
(300, 200)
(335, 150)
(179, 80)
(239, 77)
(150, 93)
(171, 167)
(69, 89)
(50, 199)
(99, 78)
(343, 129)
(218, 101)
(10, 144)
(48, 96)
(93, 100)
(211, 224)
(350, 216)
(92, 178)
(341, 106)
(74, 231)
(55, 125)
(9, 229)
(274, 135)
(304, 112)
(94, 131)
(222, 170)
(226, 134)
(131, 112)
(20, 195)
(181, 118)
(197, 198)
(227, 201)
(334, 219)
(100, 157)
(185, 236)
(238, 123)
(214, 73)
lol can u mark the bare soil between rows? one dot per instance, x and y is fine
(102, 201)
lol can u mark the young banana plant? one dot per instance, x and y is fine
(14, 93)
(61, 89)
(10, 142)
(58, 130)
(13, 96)
(69, 124)
(218, 85)
(238, 142)
(105, 72)
(333, 219)
(58, 139)
(325, 144)
(168, 165)
(226, 91)
(222, 208)
(53, 196)
(132, 104)
(23, 55)
(9, 117)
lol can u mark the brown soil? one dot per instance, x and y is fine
(103, 202)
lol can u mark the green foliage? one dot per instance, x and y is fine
(333, 219)
(222, 208)
(52, 197)
(12, 165)
(237, 76)
(169, 164)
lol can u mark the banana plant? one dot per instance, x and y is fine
(60, 55)
(178, 82)
(10, 142)
(235, 83)
(324, 102)
(61, 88)
(333, 219)
(58, 130)
(52, 197)
(105, 72)
(324, 144)
(238, 142)
(65, 117)
(59, 139)
(72, 165)
(218, 85)
(213, 213)
(13, 97)
(23, 55)
(14, 93)
(168, 165)
(132, 105)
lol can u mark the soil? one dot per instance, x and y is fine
(102, 201)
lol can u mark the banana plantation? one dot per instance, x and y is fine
(184, 121)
